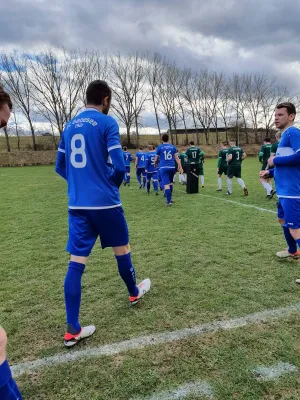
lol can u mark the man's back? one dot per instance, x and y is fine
(127, 158)
(150, 161)
(237, 153)
(223, 154)
(193, 155)
(166, 153)
(86, 141)
(141, 159)
(265, 152)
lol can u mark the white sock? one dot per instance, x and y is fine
(180, 177)
(220, 183)
(202, 179)
(267, 186)
(229, 185)
(241, 182)
(184, 178)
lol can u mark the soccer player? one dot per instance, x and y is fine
(166, 154)
(8, 387)
(193, 154)
(90, 158)
(201, 169)
(234, 158)
(264, 155)
(140, 165)
(183, 159)
(287, 178)
(151, 170)
(127, 158)
(222, 164)
(274, 146)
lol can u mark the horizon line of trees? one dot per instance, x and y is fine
(50, 86)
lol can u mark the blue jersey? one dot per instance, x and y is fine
(141, 159)
(127, 158)
(166, 153)
(150, 162)
(287, 177)
(86, 142)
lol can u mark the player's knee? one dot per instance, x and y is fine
(121, 250)
(281, 221)
(79, 259)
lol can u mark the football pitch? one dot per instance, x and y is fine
(221, 320)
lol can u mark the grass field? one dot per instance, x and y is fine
(208, 260)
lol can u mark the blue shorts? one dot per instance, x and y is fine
(289, 211)
(127, 169)
(86, 225)
(152, 175)
(167, 175)
(140, 171)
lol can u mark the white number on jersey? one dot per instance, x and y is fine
(143, 158)
(78, 150)
(194, 154)
(168, 155)
(226, 156)
(237, 155)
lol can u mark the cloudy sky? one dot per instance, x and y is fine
(227, 35)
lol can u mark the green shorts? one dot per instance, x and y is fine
(234, 171)
(223, 169)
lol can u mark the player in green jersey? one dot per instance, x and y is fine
(184, 160)
(193, 154)
(264, 155)
(222, 164)
(235, 157)
(275, 145)
(201, 170)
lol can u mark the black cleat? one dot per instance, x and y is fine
(246, 192)
(272, 194)
(219, 190)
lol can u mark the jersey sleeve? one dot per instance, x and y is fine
(158, 150)
(60, 167)
(261, 153)
(295, 139)
(112, 136)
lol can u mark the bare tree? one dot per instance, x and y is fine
(16, 80)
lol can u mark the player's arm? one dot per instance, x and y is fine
(244, 155)
(135, 161)
(229, 157)
(178, 161)
(219, 159)
(293, 159)
(60, 167)
(114, 149)
(157, 157)
(261, 154)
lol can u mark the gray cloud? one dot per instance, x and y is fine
(228, 35)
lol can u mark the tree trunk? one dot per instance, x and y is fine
(206, 137)
(128, 135)
(137, 131)
(156, 116)
(7, 140)
(33, 136)
(170, 129)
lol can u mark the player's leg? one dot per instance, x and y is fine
(201, 174)
(82, 237)
(8, 387)
(172, 174)
(220, 172)
(138, 176)
(144, 178)
(165, 179)
(113, 231)
(230, 175)
(155, 183)
(149, 176)
(128, 175)
(283, 213)
(240, 181)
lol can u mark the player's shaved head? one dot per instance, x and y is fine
(165, 137)
(98, 93)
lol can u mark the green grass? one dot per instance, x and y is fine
(207, 259)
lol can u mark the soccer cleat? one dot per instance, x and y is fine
(219, 190)
(71, 340)
(272, 194)
(124, 183)
(140, 186)
(148, 192)
(144, 287)
(202, 186)
(228, 193)
(298, 281)
(156, 193)
(285, 254)
(169, 204)
(246, 192)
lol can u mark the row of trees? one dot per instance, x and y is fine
(50, 86)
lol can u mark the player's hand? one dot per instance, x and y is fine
(264, 174)
(271, 161)
(180, 170)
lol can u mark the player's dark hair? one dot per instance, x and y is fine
(140, 148)
(192, 143)
(225, 143)
(96, 92)
(124, 148)
(165, 137)
(267, 139)
(232, 140)
(153, 147)
(5, 98)
(291, 109)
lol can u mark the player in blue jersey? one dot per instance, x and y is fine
(90, 158)
(8, 387)
(127, 158)
(286, 172)
(140, 165)
(166, 154)
(151, 170)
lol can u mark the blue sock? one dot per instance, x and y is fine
(128, 178)
(290, 240)
(144, 181)
(298, 243)
(73, 295)
(155, 186)
(148, 186)
(127, 273)
(168, 195)
(138, 177)
(171, 188)
(125, 177)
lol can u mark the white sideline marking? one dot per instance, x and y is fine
(273, 372)
(235, 202)
(155, 339)
(196, 388)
